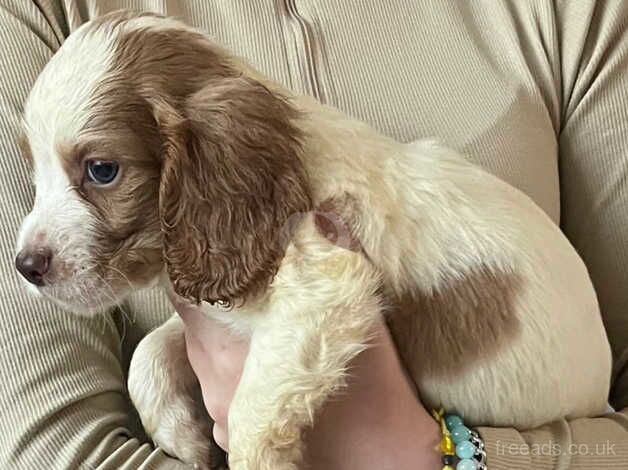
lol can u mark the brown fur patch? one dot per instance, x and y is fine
(126, 213)
(218, 151)
(71, 158)
(441, 333)
(230, 183)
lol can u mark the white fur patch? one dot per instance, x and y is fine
(56, 110)
(58, 105)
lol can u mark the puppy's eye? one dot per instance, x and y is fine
(102, 171)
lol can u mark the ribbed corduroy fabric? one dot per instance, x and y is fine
(534, 91)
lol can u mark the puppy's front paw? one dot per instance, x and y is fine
(181, 431)
(166, 394)
(267, 448)
(260, 462)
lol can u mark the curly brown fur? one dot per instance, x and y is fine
(231, 179)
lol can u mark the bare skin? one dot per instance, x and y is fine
(376, 423)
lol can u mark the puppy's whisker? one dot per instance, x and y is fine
(132, 287)
(107, 292)
(123, 276)
(86, 287)
(99, 304)
(107, 289)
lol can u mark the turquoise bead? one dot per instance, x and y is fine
(453, 421)
(467, 464)
(459, 434)
(465, 450)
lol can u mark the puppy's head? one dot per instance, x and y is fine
(152, 148)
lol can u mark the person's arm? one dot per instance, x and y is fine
(63, 401)
(378, 420)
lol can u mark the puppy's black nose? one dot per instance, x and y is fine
(33, 265)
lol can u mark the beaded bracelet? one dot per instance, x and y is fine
(459, 443)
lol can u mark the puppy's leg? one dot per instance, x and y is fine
(295, 364)
(166, 394)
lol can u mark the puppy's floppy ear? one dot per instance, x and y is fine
(231, 178)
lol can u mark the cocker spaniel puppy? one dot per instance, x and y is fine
(160, 157)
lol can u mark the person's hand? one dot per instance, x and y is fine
(377, 422)
(217, 357)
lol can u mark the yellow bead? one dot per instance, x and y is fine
(447, 467)
(447, 446)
